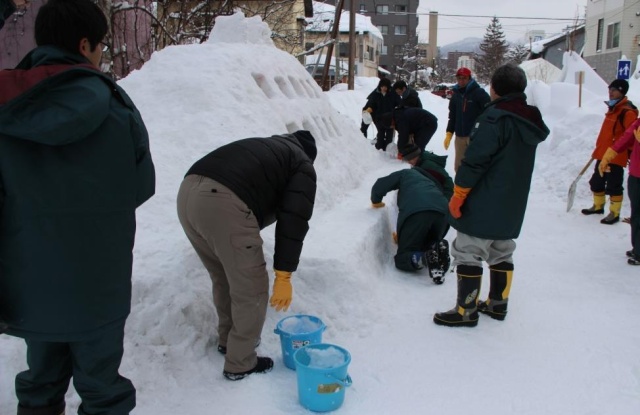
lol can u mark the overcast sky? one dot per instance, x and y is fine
(454, 28)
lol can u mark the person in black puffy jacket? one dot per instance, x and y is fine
(224, 201)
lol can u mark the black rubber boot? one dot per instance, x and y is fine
(496, 305)
(465, 313)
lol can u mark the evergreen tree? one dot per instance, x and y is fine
(495, 48)
(517, 54)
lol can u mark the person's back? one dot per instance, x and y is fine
(416, 122)
(225, 199)
(74, 166)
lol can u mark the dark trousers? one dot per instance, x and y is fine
(419, 232)
(610, 183)
(633, 184)
(364, 127)
(92, 363)
(422, 137)
(384, 137)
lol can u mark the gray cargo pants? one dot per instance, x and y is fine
(226, 236)
(469, 250)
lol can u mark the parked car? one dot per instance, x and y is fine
(443, 91)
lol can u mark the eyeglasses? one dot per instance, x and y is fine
(105, 47)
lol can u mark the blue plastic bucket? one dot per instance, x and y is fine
(296, 332)
(322, 376)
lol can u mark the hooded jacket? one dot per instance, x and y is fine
(275, 177)
(616, 121)
(416, 193)
(74, 166)
(497, 167)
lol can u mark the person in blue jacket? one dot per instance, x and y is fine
(466, 104)
(74, 166)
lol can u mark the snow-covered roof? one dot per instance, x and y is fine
(538, 46)
(323, 15)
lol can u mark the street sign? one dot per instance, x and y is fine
(624, 69)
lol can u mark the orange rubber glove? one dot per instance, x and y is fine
(457, 200)
(282, 291)
(447, 140)
(377, 205)
(369, 110)
(394, 235)
(606, 159)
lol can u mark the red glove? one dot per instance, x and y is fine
(457, 200)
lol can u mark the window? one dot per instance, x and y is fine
(308, 45)
(401, 9)
(344, 50)
(400, 30)
(613, 35)
(363, 7)
(600, 33)
(384, 50)
(397, 50)
(383, 9)
(422, 53)
(384, 29)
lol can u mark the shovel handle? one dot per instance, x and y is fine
(586, 166)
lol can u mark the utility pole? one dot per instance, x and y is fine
(334, 35)
(352, 43)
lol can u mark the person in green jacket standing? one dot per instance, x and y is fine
(490, 197)
(422, 221)
(74, 166)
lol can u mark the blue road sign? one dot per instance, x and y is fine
(624, 69)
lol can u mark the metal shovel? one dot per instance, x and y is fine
(572, 189)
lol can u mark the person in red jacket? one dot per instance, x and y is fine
(619, 117)
(630, 140)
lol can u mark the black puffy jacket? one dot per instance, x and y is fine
(276, 179)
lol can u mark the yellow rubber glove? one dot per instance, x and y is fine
(282, 291)
(636, 134)
(606, 159)
(447, 140)
(377, 205)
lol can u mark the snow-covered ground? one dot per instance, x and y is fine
(568, 346)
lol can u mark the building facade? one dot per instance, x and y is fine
(397, 21)
(612, 30)
(368, 43)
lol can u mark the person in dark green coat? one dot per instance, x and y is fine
(490, 197)
(74, 166)
(422, 214)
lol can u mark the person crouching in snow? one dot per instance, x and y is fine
(621, 114)
(630, 140)
(422, 221)
(413, 122)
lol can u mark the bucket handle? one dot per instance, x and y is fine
(345, 383)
